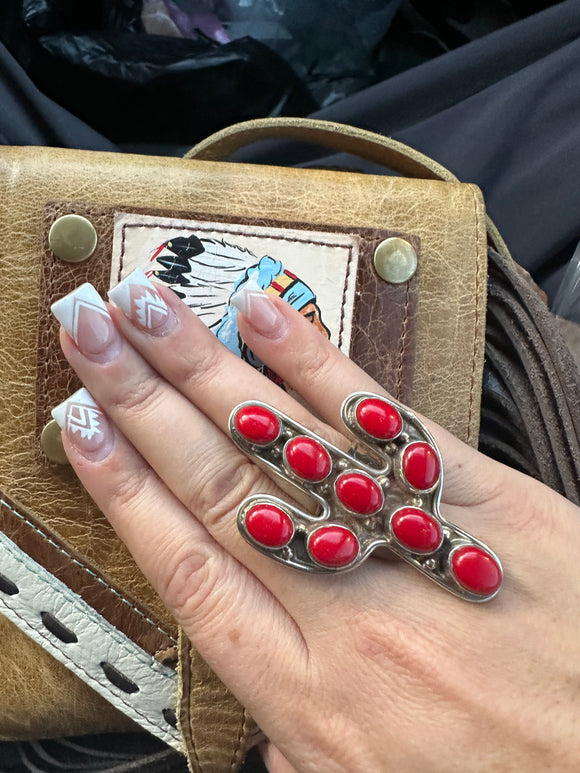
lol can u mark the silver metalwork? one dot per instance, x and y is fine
(381, 460)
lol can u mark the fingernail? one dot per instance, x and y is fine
(139, 300)
(257, 306)
(85, 318)
(85, 424)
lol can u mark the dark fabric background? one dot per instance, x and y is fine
(502, 111)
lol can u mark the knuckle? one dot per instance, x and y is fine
(200, 368)
(315, 364)
(188, 580)
(140, 397)
(220, 488)
(130, 488)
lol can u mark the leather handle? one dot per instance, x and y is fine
(340, 137)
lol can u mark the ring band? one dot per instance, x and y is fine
(385, 493)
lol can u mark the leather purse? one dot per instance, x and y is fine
(394, 269)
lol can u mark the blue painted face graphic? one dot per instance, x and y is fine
(206, 272)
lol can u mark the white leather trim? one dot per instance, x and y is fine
(98, 641)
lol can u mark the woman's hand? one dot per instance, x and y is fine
(373, 670)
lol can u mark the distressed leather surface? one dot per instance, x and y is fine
(384, 319)
(447, 219)
(374, 147)
(531, 387)
(46, 548)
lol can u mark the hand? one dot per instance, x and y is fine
(374, 670)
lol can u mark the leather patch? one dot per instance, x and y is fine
(326, 272)
(48, 550)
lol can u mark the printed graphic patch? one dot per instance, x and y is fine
(205, 263)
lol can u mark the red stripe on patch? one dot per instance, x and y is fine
(157, 252)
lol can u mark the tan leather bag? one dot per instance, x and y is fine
(81, 628)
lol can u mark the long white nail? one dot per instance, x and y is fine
(85, 424)
(257, 306)
(85, 317)
(242, 298)
(139, 300)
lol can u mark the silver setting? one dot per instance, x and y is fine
(377, 459)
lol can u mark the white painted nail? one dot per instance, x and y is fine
(85, 317)
(257, 306)
(241, 299)
(85, 424)
(139, 300)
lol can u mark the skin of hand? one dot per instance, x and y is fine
(373, 670)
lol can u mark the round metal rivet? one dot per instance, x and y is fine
(72, 238)
(395, 260)
(51, 443)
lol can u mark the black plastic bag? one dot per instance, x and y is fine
(93, 58)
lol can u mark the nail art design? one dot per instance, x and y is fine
(137, 297)
(79, 414)
(242, 299)
(257, 306)
(84, 305)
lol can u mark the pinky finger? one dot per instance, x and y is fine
(235, 623)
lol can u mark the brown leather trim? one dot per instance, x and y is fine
(383, 326)
(48, 550)
(211, 746)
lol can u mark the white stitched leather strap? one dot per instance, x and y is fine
(79, 637)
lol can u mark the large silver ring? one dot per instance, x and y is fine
(384, 493)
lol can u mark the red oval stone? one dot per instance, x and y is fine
(416, 530)
(307, 458)
(257, 424)
(421, 465)
(359, 493)
(269, 525)
(476, 570)
(379, 419)
(333, 546)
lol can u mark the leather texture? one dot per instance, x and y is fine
(369, 145)
(384, 319)
(531, 387)
(447, 220)
(76, 635)
(48, 550)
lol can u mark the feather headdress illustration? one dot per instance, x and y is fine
(206, 272)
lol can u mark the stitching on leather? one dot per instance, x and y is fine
(149, 660)
(190, 718)
(292, 240)
(343, 304)
(44, 325)
(148, 721)
(86, 569)
(240, 741)
(77, 665)
(477, 294)
(402, 344)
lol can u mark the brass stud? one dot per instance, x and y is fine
(51, 443)
(395, 260)
(72, 238)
